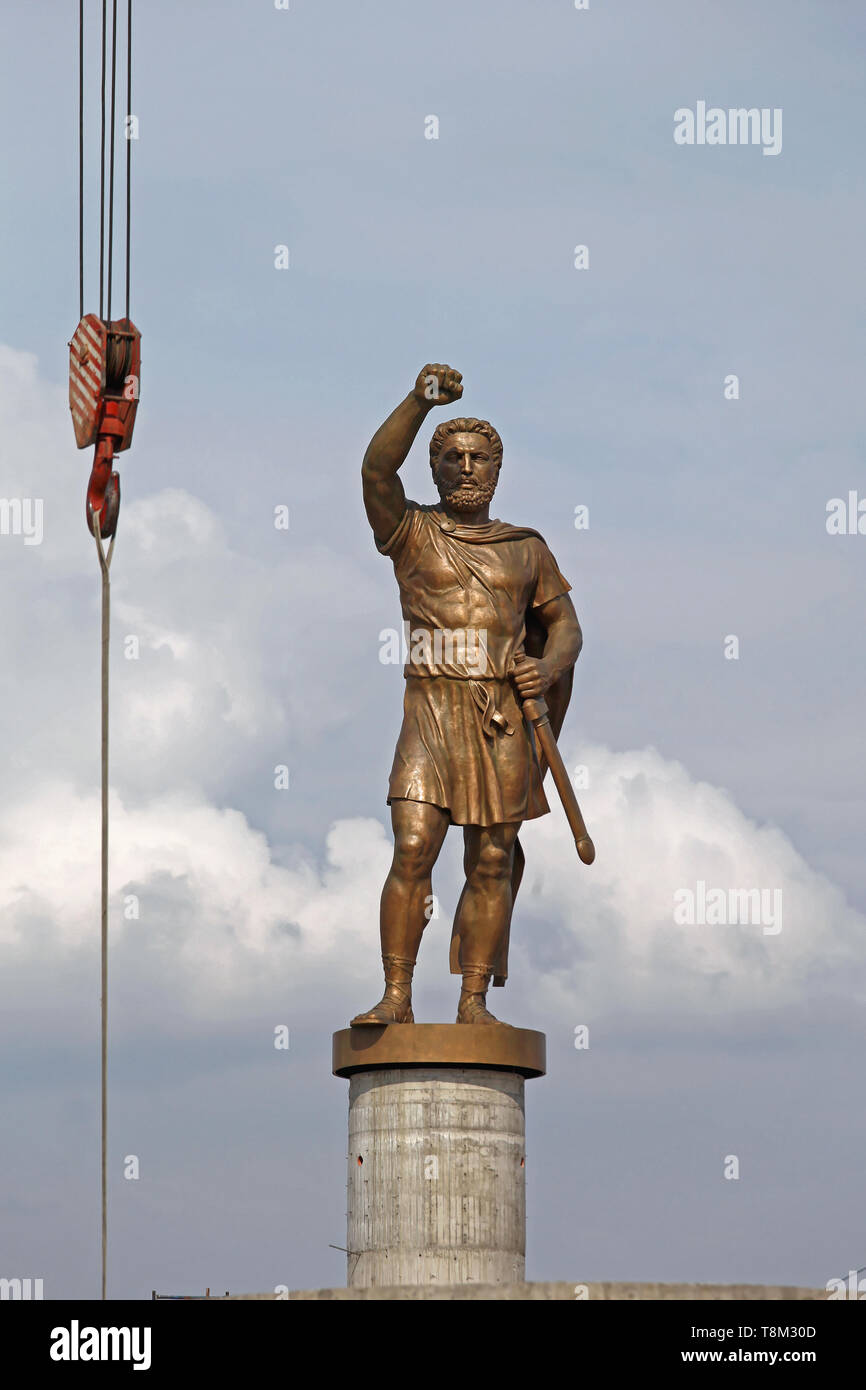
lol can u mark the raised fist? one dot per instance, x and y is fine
(438, 384)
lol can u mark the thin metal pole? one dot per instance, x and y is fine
(104, 565)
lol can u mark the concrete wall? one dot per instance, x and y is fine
(555, 1292)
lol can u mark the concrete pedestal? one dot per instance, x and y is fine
(437, 1147)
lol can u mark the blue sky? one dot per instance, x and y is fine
(707, 518)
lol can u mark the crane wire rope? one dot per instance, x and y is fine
(116, 362)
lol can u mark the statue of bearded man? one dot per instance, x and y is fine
(490, 622)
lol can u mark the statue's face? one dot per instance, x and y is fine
(466, 473)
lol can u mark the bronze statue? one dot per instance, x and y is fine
(490, 624)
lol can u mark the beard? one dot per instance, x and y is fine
(467, 497)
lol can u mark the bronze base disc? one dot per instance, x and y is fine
(439, 1045)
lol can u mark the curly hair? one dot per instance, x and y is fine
(465, 426)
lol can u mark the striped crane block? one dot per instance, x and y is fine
(88, 393)
(87, 378)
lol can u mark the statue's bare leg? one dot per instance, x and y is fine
(419, 830)
(484, 912)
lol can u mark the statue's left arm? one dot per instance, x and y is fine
(534, 675)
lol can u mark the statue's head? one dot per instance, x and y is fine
(465, 458)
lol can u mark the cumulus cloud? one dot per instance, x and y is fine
(658, 831)
(224, 925)
(196, 896)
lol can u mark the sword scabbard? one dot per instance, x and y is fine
(536, 713)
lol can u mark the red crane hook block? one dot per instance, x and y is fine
(104, 377)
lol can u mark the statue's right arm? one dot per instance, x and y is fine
(384, 498)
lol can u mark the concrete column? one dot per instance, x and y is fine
(436, 1177)
(436, 1174)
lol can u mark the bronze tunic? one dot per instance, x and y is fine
(466, 594)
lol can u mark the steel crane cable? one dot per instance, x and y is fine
(118, 357)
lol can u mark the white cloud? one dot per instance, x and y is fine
(225, 919)
(231, 925)
(656, 831)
